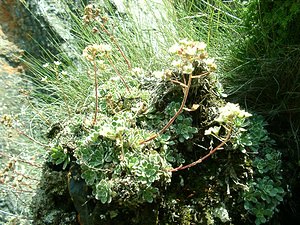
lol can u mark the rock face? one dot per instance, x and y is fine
(20, 26)
(148, 15)
(19, 171)
(36, 24)
(51, 205)
(10, 103)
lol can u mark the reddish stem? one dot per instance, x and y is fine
(119, 74)
(116, 43)
(186, 92)
(96, 93)
(204, 157)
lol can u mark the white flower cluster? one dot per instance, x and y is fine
(228, 114)
(92, 51)
(91, 13)
(189, 52)
(231, 111)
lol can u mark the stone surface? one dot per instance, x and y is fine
(36, 24)
(28, 26)
(17, 177)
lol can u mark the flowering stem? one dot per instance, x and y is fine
(204, 157)
(118, 73)
(186, 93)
(186, 89)
(96, 92)
(116, 43)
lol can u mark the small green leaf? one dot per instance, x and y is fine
(103, 192)
(147, 195)
(187, 136)
(66, 162)
(181, 139)
(89, 176)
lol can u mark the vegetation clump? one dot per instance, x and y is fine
(134, 143)
(140, 128)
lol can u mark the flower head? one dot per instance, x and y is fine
(200, 45)
(57, 63)
(159, 74)
(92, 51)
(137, 71)
(212, 130)
(91, 13)
(188, 68)
(210, 62)
(175, 49)
(46, 65)
(191, 50)
(231, 111)
(177, 63)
